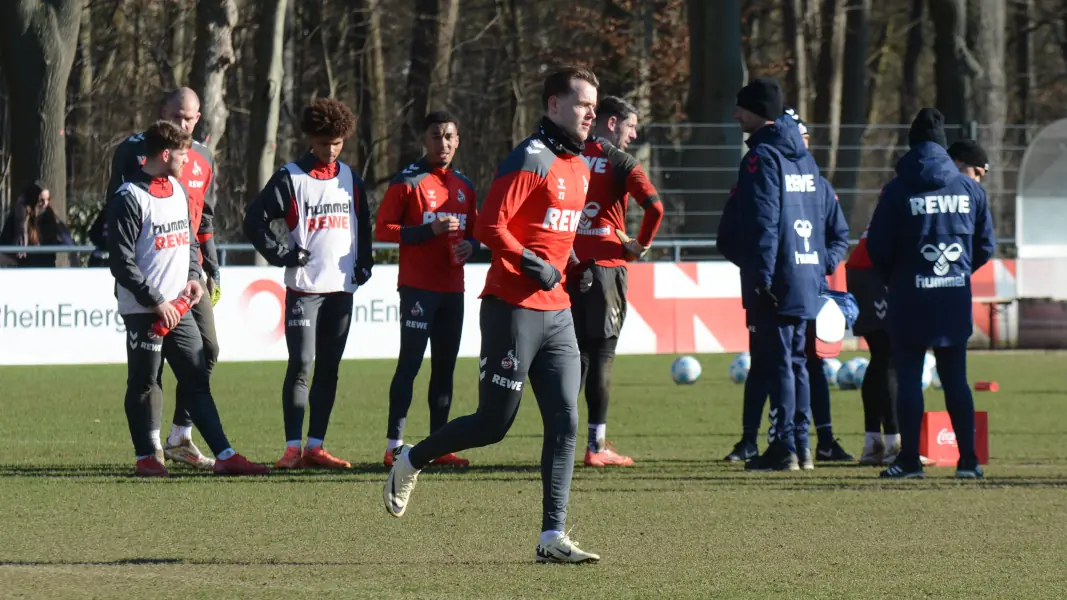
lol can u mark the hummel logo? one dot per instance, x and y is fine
(880, 308)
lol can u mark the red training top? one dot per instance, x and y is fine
(614, 176)
(417, 196)
(535, 202)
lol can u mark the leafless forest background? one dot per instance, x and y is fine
(81, 75)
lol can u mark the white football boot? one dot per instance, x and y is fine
(400, 484)
(563, 550)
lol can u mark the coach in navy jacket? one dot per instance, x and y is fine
(930, 231)
(773, 228)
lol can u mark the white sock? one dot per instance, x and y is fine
(407, 461)
(872, 439)
(154, 434)
(394, 444)
(601, 432)
(293, 444)
(314, 442)
(225, 454)
(550, 536)
(891, 439)
(177, 432)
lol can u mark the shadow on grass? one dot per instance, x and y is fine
(145, 561)
(181, 473)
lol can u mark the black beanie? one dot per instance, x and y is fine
(928, 126)
(763, 97)
(969, 153)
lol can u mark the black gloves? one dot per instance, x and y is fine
(297, 257)
(767, 298)
(362, 273)
(536, 268)
(581, 275)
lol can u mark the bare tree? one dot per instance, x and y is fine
(1023, 18)
(38, 41)
(215, 20)
(717, 72)
(954, 66)
(511, 13)
(798, 77)
(263, 128)
(986, 25)
(909, 85)
(828, 82)
(853, 99)
(422, 62)
(440, 90)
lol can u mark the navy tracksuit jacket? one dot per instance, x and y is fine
(774, 228)
(931, 230)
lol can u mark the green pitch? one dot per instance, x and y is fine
(679, 524)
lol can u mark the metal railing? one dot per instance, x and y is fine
(673, 250)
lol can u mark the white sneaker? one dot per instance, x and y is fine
(563, 550)
(874, 454)
(187, 452)
(400, 484)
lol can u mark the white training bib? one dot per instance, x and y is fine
(163, 253)
(327, 228)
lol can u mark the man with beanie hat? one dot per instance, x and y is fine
(755, 394)
(971, 159)
(774, 229)
(930, 231)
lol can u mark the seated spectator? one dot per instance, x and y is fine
(32, 222)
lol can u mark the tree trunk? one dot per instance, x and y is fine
(797, 78)
(952, 73)
(828, 82)
(853, 101)
(38, 41)
(986, 23)
(370, 73)
(290, 108)
(214, 54)
(717, 69)
(176, 15)
(909, 85)
(512, 15)
(440, 88)
(1024, 60)
(263, 128)
(643, 93)
(423, 58)
(79, 146)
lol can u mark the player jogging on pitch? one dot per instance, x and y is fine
(427, 204)
(528, 220)
(182, 108)
(154, 258)
(327, 256)
(599, 313)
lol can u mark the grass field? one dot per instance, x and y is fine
(679, 524)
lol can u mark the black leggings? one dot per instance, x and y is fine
(880, 387)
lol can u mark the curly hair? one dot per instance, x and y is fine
(330, 118)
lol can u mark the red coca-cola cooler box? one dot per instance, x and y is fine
(937, 440)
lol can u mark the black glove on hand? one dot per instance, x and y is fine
(298, 257)
(769, 300)
(581, 274)
(362, 274)
(536, 268)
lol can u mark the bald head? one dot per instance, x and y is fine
(181, 107)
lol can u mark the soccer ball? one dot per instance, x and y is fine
(830, 368)
(739, 367)
(858, 374)
(846, 376)
(685, 370)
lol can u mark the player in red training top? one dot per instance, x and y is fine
(430, 210)
(528, 221)
(182, 108)
(599, 313)
(327, 256)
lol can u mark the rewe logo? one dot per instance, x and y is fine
(509, 384)
(804, 229)
(597, 164)
(800, 183)
(931, 205)
(558, 219)
(431, 216)
(946, 437)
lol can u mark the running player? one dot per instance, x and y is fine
(155, 260)
(600, 312)
(182, 108)
(427, 204)
(327, 256)
(528, 221)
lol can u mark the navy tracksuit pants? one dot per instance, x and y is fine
(952, 368)
(777, 346)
